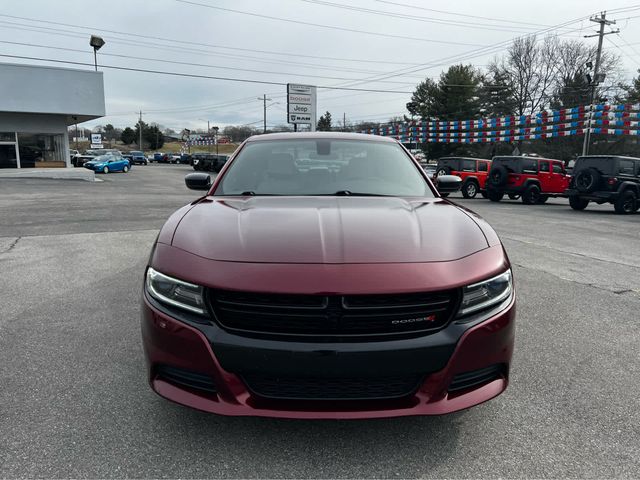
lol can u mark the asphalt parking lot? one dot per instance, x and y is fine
(74, 400)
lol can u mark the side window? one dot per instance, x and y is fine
(625, 167)
(557, 168)
(468, 165)
(529, 166)
(544, 166)
(482, 166)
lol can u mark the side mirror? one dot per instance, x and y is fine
(198, 181)
(448, 183)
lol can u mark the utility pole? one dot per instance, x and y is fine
(140, 131)
(344, 121)
(209, 135)
(264, 114)
(597, 78)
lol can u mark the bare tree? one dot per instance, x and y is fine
(529, 67)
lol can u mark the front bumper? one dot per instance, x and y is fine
(224, 357)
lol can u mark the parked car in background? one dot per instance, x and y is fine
(157, 156)
(80, 160)
(72, 154)
(534, 179)
(473, 171)
(136, 157)
(168, 157)
(345, 289)
(108, 163)
(429, 169)
(606, 179)
(209, 162)
(185, 158)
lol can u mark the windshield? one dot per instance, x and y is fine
(136, 153)
(323, 167)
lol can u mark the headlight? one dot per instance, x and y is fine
(175, 292)
(486, 294)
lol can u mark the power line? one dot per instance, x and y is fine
(201, 44)
(182, 50)
(332, 27)
(191, 64)
(193, 75)
(463, 56)
(415, 18)
(462, 14)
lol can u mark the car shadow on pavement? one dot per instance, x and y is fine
(392, 447)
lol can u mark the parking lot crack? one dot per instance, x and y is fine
(11, 246)
(569, 252)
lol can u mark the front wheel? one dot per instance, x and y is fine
(470, 190)
(543, 199)
(125, 169)
(105, 170)
(626, 203)
(578, 203)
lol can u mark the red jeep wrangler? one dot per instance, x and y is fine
(534, 179)
(473, 172)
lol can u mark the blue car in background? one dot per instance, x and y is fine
(108, 163)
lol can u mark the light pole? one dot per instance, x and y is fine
(97, 43)
(215, 132)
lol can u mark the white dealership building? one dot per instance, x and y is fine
(37, 104)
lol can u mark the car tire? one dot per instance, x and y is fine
(578, 203)
(494, 196)
(531, 195)
(543, 199)
(514, 196)
(626, 203)
(484, 194)
(125, 169)
(443, 171)
(470, 189)
(105, 169)
(587, 180)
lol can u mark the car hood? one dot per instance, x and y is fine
(328, 230)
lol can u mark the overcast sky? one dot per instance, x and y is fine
(408, 43)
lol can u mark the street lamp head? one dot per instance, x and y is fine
(215, 129)
(96, 42)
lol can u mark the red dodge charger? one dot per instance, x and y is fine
(322, 275)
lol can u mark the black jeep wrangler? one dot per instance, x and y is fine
(606, 179)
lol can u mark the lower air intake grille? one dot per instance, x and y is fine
(476, 377)
(186, 378)
(331, 388)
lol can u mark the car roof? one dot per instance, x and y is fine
(320, 135)
(520, 157)
(624, 157)
(463, 158)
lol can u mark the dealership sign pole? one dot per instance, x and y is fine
(301, 105)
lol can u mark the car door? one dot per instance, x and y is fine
(544, 175)
(483, 171)
(559, 178)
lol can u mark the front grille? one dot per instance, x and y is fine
(292, 388)
(476, 377)
(186, 378)
(332, 316)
